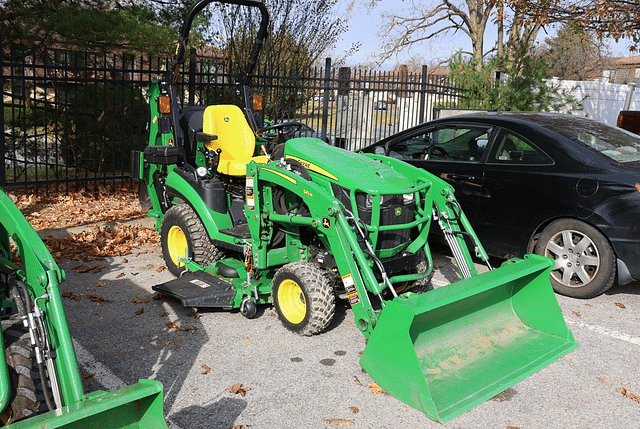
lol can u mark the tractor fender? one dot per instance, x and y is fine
(212, 220)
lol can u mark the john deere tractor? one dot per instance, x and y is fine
(249, 217)
(40, 383)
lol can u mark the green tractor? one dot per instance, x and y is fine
(40, 382)
(251, 216)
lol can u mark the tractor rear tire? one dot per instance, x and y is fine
(303, 298)
(27, 399)
(183, 234)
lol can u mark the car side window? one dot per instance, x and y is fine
(444, 144)
(513, 149)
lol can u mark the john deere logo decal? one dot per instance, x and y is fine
(398, 211)
(226, 119)
(326, 223)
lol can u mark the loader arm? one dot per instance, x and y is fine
(35, 283)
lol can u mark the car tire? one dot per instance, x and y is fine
(584, 260)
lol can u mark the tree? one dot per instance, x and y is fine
(618, 19)
(300, 33)
(574, 54)
(420, 23)
(95, 24)
(525, 87)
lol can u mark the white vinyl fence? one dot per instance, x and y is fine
(601, 100)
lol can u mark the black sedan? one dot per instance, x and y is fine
(558, 185)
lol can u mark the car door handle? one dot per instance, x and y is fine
(447, 176)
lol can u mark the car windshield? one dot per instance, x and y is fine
(614, 143)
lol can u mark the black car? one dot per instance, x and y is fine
(558, 185)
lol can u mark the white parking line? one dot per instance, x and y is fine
(607, 332)
(102, 374)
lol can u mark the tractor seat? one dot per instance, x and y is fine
(236, 139)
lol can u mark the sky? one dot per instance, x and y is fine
(364, 25)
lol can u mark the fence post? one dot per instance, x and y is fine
(192, 77)
(3, 173)
(423, 94)
(325, 99)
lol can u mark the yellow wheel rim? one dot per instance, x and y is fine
(291, 301)
(177, 245)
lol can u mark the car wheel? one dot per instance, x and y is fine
(584, 260)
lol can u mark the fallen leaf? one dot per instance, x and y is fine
(70, 295)
(354, 410)
(96, 298)
(101, 284)
(239, 427)
(621, 305)
(513, 427)
(601, 380)
(237, 388)
(629, 394)
(124, 261)
(588, 305)
(358, 382)
(134, 274)
(375, 388)
(120, 275)
(194, 315)
(137, 300)
(575, 313)
(86, 376)
(172, 325)
(139, 312)
(207, 369)
(150, 266)
(161, 269)
(164, 314)
(338, 422)
(88, 269)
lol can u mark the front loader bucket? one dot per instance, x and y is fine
(138, 406)
(448, 350)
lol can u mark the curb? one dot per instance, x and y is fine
(59, 233)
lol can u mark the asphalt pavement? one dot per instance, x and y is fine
(122, 334)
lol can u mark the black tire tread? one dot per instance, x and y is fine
(201, 249)
(321, 298)
(27, 399)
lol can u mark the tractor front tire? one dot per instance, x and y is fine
(27, 399)
(182, 234)
(303, 298)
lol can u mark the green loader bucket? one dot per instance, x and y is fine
(446, 351)
(138, 406)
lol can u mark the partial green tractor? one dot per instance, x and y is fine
(40, 382)
(248, 218)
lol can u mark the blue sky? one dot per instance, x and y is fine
(364, 24)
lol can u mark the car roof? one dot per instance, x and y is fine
(544, 119)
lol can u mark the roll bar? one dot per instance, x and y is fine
(183, 38)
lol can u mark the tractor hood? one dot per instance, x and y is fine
(348, 169)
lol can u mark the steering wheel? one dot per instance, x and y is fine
(279, 133)
(436, 150)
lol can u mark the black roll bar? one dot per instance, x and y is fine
(183, 38)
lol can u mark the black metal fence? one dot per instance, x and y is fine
(73, 117)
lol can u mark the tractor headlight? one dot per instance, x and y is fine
(407, 199)
(368, 202)
(201, 172)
